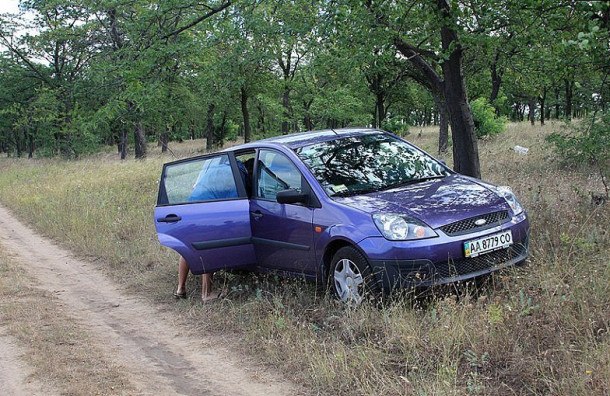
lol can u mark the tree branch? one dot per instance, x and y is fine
(420, 63)
(26, 60)
(198, 20)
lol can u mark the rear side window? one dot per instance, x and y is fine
(200, 180)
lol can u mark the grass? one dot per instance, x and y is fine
(537, 329)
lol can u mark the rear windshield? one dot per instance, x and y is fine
(360, 164)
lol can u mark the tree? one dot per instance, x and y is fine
(58, 57)
(436, 53)
(99, 73)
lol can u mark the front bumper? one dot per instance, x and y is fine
(441, 260)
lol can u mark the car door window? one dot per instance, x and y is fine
(201, 180)
(276, 172)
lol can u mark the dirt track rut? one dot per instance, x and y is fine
(158, 357)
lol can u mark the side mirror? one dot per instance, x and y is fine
(291, 196)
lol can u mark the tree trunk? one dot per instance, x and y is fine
(261, 119)
(541, 100)
(531, 105)
(139, 138)
(443, 122)
(30, 138)
(4, 144)
(192, 130)
(380, 109)
(307, 122)
(556, 103)
(210, 127)
(245, 114)
(164, 139)
(288, 74)
(286, 105)
(521, 112)
(375, 117)
(569, 85)
(17, 143)
(223, 126)
(123, 144)
(496, 80)
(465, 148)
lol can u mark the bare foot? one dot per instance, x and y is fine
(213, 295)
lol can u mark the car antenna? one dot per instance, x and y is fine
(335, 132)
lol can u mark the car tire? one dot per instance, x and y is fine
(350, 277)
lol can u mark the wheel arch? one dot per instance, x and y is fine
(331, 248)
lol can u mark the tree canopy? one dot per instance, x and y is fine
(82, 73)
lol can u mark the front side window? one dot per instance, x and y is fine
(361, 164)
(276, 173)
(204, 179)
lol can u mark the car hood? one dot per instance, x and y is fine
(436, 202)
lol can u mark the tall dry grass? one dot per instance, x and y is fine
(537, 329)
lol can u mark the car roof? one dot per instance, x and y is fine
(296, 140)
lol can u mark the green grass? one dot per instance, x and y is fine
(537, 329)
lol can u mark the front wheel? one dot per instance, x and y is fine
(350, 277)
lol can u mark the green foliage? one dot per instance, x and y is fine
(587, 142)
(397, 125)
(485, 121)
(97, 69)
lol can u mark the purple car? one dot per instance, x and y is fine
(358, 208)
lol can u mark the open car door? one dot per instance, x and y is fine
(203, 213)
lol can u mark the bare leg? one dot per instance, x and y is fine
(207, 293)
(183, 272)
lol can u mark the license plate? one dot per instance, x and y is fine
(487, 244)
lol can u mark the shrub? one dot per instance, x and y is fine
(485, 121)
(588, 142)
(396, 125)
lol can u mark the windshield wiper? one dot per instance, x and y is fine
(413, 181)
(358, 192)
(429, 178)
(384, 188)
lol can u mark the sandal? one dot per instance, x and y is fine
(180, 295)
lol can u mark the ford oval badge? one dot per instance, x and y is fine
(480, 222)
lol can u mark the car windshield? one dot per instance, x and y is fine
(361, 164)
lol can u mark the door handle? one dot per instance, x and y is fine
(171, 218)
(257, 215)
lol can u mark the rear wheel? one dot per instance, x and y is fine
(350, 277)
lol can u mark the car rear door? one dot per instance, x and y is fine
(203, 213)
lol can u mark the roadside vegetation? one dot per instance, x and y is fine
(538, 329)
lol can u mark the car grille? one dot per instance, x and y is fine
(454, 268)
(465, 226)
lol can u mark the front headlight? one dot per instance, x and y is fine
(506, 193)
(399, 227)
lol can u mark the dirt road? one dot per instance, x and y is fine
(155, 356)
